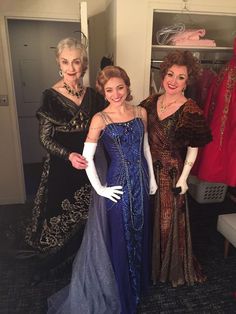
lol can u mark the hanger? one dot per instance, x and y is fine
(189, 22)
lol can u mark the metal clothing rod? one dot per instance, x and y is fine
(201, 61)
(156, 61)
(213, 61)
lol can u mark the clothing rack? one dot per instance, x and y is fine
(155, 79)
(203, 61)
(215, 65)
(210, 62)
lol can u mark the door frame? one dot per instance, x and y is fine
(10, 82)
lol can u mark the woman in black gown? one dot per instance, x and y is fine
(61, 203)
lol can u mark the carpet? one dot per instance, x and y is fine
(214, 296)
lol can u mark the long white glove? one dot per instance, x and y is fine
(189, 162)
(110, 192)
(147, 153)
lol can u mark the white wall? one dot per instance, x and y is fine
(97, 44)
(129, 36)
(111, 22)
(102, 41)
(11, 172)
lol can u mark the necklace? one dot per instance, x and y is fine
(72, 91)
(163, 106)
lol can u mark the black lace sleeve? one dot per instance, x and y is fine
(46, 132)
(192, 129)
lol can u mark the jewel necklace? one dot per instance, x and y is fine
(72, 91)
(163, 106)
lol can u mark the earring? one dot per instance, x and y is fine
(106, 101)
(60, 73)
(161, 89)
(128, 97)
(183, 90)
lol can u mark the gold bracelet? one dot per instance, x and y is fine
(188, 163)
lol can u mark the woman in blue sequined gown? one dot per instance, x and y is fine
(111, 268)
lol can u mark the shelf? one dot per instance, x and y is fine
(168, 47)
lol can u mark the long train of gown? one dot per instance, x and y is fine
(93, 285)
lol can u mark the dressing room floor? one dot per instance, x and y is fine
(213, 296)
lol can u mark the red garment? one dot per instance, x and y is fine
(217, 160)
(199, 90)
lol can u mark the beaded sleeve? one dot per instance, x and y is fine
(46, 131)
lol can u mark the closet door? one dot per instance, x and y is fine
(32, 46)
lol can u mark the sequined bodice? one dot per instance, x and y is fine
(123, 143)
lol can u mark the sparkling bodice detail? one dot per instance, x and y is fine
(123, 143)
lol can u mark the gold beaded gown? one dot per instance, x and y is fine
(61, 203)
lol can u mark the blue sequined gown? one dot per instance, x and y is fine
(111, 268)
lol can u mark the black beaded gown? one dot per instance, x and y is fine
(61, 203)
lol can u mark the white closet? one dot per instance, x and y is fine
(220, 28)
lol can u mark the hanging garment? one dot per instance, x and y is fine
(199, 90)
(216, 161)
(178, 35)
(191, 37)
